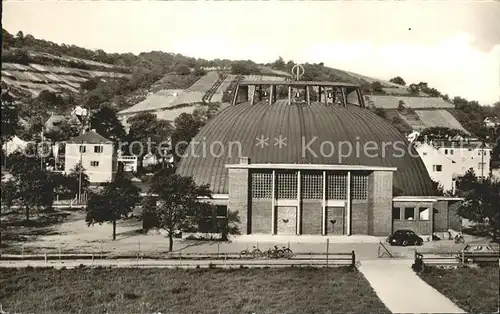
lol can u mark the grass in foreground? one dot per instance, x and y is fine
(475, 290)
(107, 290)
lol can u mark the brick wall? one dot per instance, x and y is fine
(380, 203)
(238, 197)
(312, 215)
(359, 217)
(261, 213)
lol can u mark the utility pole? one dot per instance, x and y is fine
(80, 175)
(41, 150)
(482, 161)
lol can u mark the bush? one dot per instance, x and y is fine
(182, 69)
(199, 72)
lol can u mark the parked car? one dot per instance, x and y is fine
(405, 237)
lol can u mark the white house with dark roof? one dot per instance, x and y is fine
(97, 155)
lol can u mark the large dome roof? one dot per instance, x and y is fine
(298, 126)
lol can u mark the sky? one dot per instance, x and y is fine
(453, 46)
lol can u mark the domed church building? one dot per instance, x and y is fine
(301, 157)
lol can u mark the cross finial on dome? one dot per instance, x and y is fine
(298, 71)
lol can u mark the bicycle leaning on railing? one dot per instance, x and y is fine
(254, 253)
(275, 252)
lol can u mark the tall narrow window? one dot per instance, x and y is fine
(286, 185)
(336, 186)
(262, 183)
(312, 185)
(359, 186)
(82, 149)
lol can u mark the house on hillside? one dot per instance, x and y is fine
(467, 155)
(491, 122)
(447, 160)
(97, 155)
(15, 144)
(439, 166)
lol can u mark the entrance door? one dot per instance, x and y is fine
(335, 220)
(287, 219)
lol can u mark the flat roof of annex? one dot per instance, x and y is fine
(297, 83)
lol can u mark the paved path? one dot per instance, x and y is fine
(402, 291)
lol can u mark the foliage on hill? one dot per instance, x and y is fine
(149, 68)
(244, 68)
(471, 115)
(440, 133)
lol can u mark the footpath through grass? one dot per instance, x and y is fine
(108, 290)
(475, 290)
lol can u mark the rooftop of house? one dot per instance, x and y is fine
(461, 145)
(90, 137)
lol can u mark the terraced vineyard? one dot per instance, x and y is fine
(439, 118)
(168, 98)
(392, 102)
(34, 78)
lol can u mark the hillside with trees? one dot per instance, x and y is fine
(120, 80)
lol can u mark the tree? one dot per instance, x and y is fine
(377, 87)
(178, 203)
(117, 200)
(401, 106)
(186, 127)
(9, 116)
(414, 89)
(380, 112)
(279, 64)
(182, 69)
(440, 133)
(150, 133)
(8, 192)
(437, 188)
(199, 72)
(481, 205)
(77, 180)
(398, 80)
(32, 185)
(495, 154)
(66, 129)
(90, 84)
(466, 182)
(106, 123)
(244, 68)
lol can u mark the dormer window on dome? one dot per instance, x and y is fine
(299, 92)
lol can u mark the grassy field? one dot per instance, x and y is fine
(475, 290)
(106, 290)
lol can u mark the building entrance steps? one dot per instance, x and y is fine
(401, 290)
